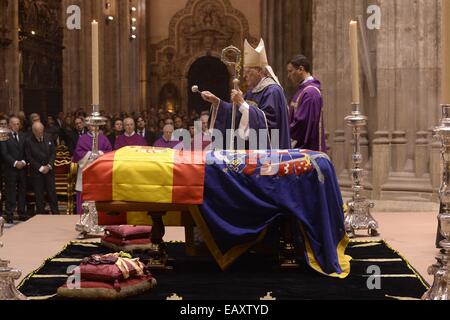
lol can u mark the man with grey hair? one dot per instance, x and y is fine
(13, 152)
(34, 117)
(166, 140)
(40, 152)
(130, 137)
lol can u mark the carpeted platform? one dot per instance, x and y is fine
(199, 278)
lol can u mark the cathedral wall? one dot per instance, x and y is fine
(162, 11)
(401, 156)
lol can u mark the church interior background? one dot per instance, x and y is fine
(150, 58)
(45, 67)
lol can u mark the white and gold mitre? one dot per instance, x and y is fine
(255, 57)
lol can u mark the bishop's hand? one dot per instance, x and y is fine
(237, 97)
(209, 97)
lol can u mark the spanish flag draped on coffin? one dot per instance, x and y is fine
(234, 196)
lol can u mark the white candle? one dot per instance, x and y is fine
(355, 62)
(95, 65)
(446, 51)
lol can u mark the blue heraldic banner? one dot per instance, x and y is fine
(246, 192)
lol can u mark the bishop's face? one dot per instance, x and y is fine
(253, 76)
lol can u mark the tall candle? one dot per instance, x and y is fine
(355, 61)
(446, 51)
(95, 65)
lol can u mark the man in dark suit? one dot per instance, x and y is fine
(142, 130)
(80, 130)
(13, 152)
(40, 152)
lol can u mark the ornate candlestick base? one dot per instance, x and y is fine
(88, 226)
(441, 270)
(8, 276)
(358, 217)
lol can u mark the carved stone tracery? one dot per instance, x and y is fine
(202, 28)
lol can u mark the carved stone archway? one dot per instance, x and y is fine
(202, 28)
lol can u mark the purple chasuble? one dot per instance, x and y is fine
(161, 143)
(84, 145)
(134, 140)
(267, 102)
(305, 114)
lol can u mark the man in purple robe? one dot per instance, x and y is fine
(130, 138)
(166, 140)
(306, 108)
(264, 107)
(81, 156)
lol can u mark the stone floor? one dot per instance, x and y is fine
(28, 244)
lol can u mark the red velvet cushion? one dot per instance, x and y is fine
(121, 242)
(104, 272)
(107, 291)
(125, 232)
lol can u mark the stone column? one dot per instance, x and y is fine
(287, 31)
(328, 143)
(421, 154)
(9, 57)
(399, 151)
(381, 162)
(338, 153)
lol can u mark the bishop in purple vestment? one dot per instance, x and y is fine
(81, 156)
(306, 108)
(130, 138)
(264, 107)
(166, 140)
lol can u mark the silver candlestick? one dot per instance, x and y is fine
(358, 217)
(441, 285)
(88, 225)
(8, 276)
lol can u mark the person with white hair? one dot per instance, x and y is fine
(130, 138)
(166, 140)
(264, 107)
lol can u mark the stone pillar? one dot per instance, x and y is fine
(123, 64)
(287, 31)
(10, 101)
(381, 162)
(328, 143)
(338, 151)
(421, 154)
(399, 151)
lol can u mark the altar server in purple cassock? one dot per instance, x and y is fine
(81, 156)
(264, 106)
(306, 108)
(130, 138)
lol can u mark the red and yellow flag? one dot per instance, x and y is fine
(146, 175)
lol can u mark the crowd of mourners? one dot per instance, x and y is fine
(28, 156)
